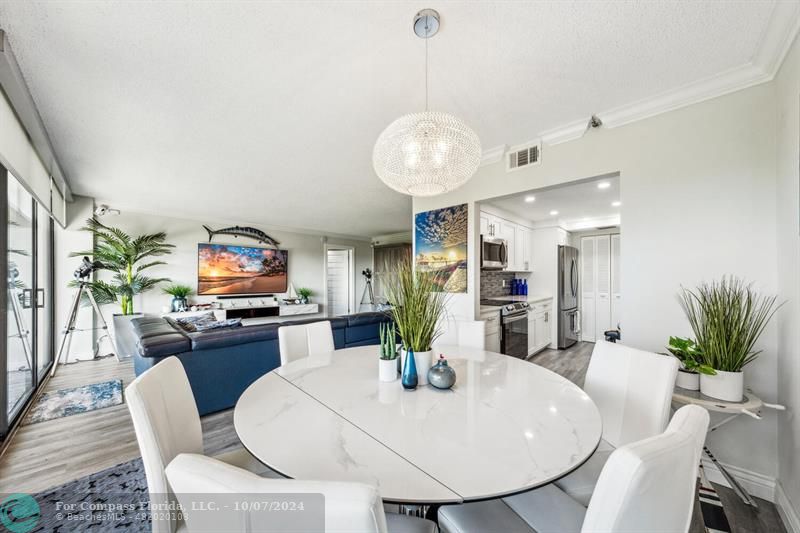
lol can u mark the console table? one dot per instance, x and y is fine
(253, 312)
(751, 406)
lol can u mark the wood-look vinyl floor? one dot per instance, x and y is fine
(43, 455)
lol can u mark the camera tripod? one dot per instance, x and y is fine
(19, 320)
(66, 341)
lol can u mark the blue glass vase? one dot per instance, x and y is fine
(410, 379)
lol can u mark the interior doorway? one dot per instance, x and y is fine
(339, 280)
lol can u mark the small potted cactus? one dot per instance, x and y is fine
(387, 364)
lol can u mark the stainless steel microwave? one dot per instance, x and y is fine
(494, 253)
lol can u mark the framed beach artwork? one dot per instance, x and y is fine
(440, 245)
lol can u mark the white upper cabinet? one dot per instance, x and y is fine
(518, 238)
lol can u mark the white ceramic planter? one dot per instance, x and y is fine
(387, 370)
(124, 338)
(688, 380)
(423, 362)
(728, 386)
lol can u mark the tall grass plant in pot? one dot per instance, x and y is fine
(417, 307)
(727, 317)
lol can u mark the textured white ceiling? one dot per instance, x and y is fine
(267, 112)
(575, 203)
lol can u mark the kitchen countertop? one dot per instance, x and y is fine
(530, 298)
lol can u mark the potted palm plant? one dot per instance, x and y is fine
(417, 309)
(126, 258)
(688, 354)
(727, 318)
(179, 295)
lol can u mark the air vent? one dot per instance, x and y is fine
(521, 157)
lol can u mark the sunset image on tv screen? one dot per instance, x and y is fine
(229, 269)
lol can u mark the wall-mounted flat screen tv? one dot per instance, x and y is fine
(226, 269)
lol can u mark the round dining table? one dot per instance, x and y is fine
(506, 426)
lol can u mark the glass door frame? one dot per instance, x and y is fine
(7, 422)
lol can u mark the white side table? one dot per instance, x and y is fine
(750, 406)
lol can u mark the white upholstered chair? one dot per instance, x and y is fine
(303, 340)
(464, 333)
(633, 392)
(167, 423)
(648, 486)
(348, 507)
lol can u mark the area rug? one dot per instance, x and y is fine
(77, 400)
(114, 499)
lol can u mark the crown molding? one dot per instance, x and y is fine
(775, 42)
(783, 27)
(492, 155)
(567, 132)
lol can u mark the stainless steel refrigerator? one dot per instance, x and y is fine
(568, 318)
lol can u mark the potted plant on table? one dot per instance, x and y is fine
(126, 258)
(304, 293)
(179, 295)
(417, 309)
(727, 318)
(387, 365)
(688, 354)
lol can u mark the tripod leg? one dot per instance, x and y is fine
(106, 333)
(66, 341)
(22, 329)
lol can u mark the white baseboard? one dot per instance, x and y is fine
(754, 483)
(789, 515)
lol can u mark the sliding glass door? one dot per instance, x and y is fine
(27, 271)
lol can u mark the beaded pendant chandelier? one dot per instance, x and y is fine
(430, 152)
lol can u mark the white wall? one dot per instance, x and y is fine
(66, 241)
(306, 255)
(787, 95)
(698, 201)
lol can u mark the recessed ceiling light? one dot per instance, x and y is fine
(553, 212)
(530, 199)
(616, 204)
(603, 185)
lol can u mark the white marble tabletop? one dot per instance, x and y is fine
(506, 426)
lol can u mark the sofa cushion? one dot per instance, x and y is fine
(220, 338)
(165, 344)
(138, 323)
(336, 322)
(154, 329)
(363, 328)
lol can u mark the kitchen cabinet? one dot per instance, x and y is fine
(519, 240)
(539, 327)
(492, 320)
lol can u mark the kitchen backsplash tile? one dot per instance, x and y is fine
(492, 283)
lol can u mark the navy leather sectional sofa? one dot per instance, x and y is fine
(221, 364)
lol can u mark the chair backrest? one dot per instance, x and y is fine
(472, 334)
(632, 389)
(302, 340)
(347, 506)
(464, 333)
(167, 423)
(650, 485)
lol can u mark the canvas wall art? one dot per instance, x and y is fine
(440, 240)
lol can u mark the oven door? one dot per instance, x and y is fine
(514, 341)
(494, 254)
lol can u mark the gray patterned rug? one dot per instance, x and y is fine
(76, 400)
(122, 488)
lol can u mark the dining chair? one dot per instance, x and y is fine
(645, 486)
(302, 340)
(167, 423)
(348, 506)
(463, 333)
(633, 392)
